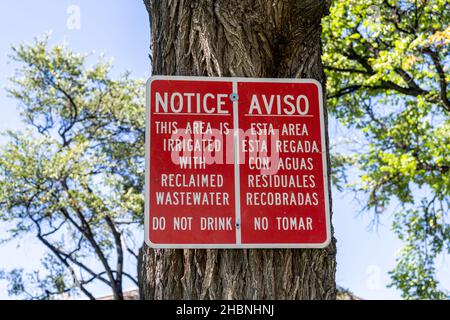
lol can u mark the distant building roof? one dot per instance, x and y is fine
(345, 294)
(128, 295)
(342, 294)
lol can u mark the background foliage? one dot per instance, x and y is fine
(387, 65)
(75, 178)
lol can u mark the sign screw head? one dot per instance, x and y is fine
(234, 97)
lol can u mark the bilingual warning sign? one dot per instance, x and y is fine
(235, 163)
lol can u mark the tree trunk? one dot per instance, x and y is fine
(242, 38)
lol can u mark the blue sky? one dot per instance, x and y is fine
(120, 29)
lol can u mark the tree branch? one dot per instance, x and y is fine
(86, 230)
(119, 251)
(442, 81)
(350, 70)
(60, 258)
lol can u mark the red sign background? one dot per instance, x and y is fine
(300, 218)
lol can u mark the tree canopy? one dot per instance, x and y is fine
(387, 66)
(75, 178)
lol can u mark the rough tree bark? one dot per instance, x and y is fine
(242, 38)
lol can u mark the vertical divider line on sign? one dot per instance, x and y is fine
(237, 177)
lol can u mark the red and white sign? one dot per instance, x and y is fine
(235, 163)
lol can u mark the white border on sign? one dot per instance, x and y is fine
(235, 246)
